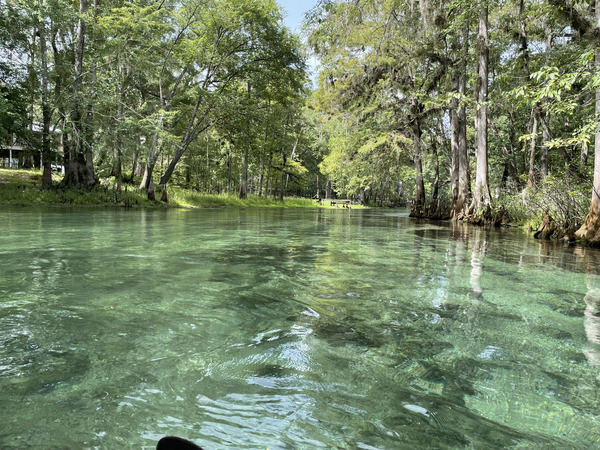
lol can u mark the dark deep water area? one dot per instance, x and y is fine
(268, 328)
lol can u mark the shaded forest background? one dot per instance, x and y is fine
(480, 111)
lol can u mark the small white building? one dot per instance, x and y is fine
(18, 153)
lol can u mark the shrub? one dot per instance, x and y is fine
(564, 198)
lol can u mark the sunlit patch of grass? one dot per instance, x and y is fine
(191, 199)
(20, 178)
(28, 196)
(22, 188)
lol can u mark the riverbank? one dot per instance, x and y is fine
(22, 188)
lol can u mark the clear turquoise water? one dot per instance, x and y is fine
(292, 329)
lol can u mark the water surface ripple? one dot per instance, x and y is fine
(292, 329)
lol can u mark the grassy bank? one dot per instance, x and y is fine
(22, 188)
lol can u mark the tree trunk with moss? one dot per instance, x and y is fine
(454, 132)
(419, 206)
(464, 171)
(435, 205)
(79, 169)
(590, 231)
(482, 198)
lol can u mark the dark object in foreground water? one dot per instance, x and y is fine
(176, 443)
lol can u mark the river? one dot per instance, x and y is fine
(268, 328)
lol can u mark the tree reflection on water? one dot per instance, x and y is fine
(591, 261)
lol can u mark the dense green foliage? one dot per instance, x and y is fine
(390, 88)
(202, 94)
(473, 110)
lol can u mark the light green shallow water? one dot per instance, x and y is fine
(292, 329)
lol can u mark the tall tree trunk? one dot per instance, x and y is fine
(244, 179)
(156, 148)
(46, 113)
(418, 161)
(262, 165)
(261, 178)
(523, 38)
(545, 117)
(118, 164)
(147, 183)
(79, 170)
(207, 164)
(244, 176)
(135, 163)
(464, 170)
(181, 149)
(510, 170)
(282, 174)
(89, 173)
(532, 145)
(534, 113)
(269, 166)
(150, 181)
(454, 133)
(88, 134)
(118, 147)
(590, 231)
(318, 191)
(230, 167)
(585, 154)
(434, 206)
(58, 91)
(292, 155)
(32, 74)
(482, 197)
(196, 124)
(537, 114)
(144, 182)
